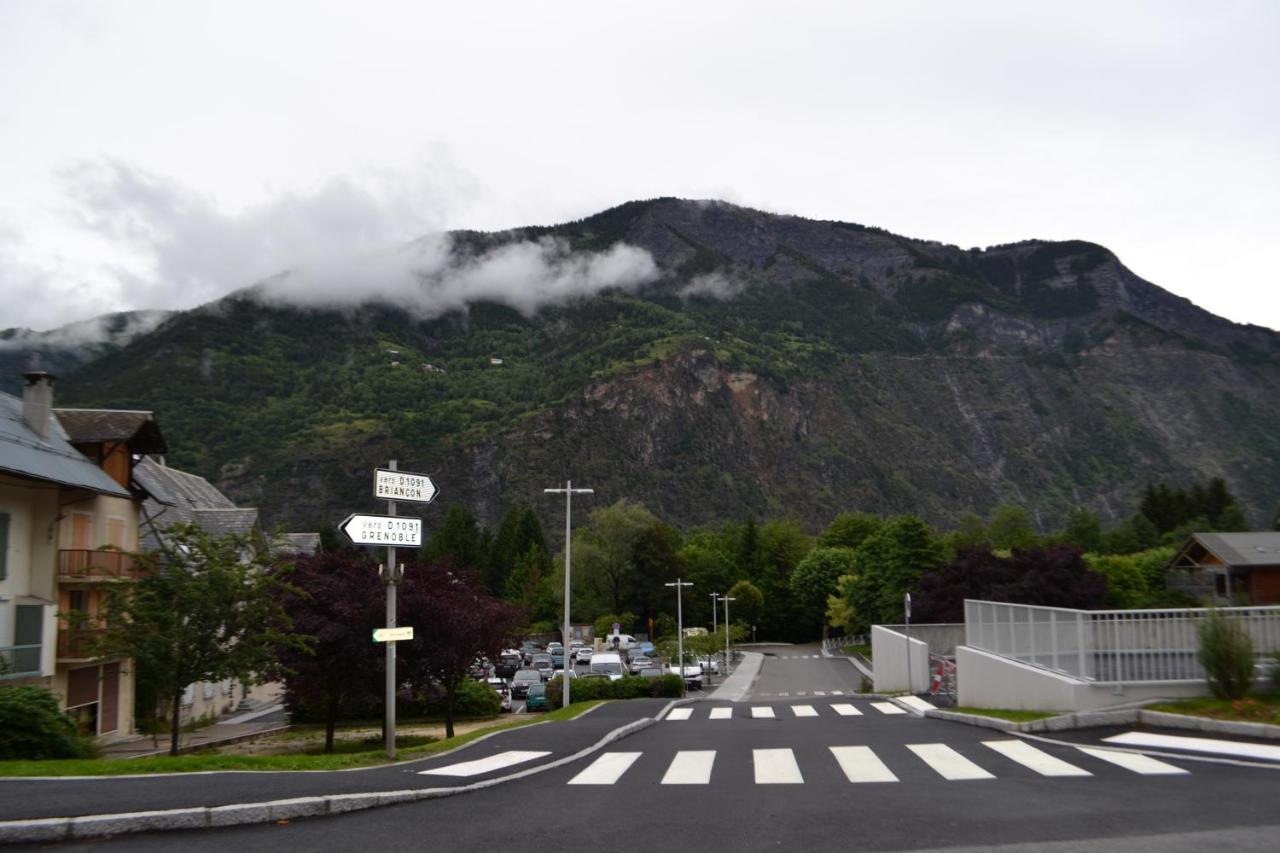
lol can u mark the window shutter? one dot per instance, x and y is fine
(4, 545)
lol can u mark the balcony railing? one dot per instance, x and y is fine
(78, 643)
(87, 565)
(19, 661)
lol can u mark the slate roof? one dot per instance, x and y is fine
(1243, 549)
(138, 429)
(175, 496)
(53, 459)
(297, 543)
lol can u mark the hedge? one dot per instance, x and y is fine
(627, 687)
(32, 727)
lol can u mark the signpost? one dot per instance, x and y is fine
(906, 607)
(391, 485)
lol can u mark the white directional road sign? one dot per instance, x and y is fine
(391, 485)
(397, 531)
(390, 635)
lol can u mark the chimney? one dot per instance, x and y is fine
(37, 401)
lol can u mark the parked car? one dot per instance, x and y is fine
(608, 664)
(620, 642)
(638, 663)
(583, 655)
(522, 680)
(504, 692)
(543, 663)
(510, 661)
(537, 698)
(647, 647)
(652, 671)
(480, 669)
(711, 665)
(528, 649)
(557, 655)
(692, 675)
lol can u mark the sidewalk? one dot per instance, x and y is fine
(738, 684)
(40, 809)
(232, 730)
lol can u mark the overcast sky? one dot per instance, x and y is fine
(160, 154)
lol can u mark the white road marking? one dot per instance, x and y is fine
(887, 708)
(680, 714)
(780, 694)
(1142, 764)
(804, 711)
(948, 763)
(1198, 744)
(915, 702)
(762, 712)
(844, 709)
(819, 693)
(1035, 759)
(606, 769)
(690, 767)
(776, 767)
(860, 764)
(484, 765)
(721, 713)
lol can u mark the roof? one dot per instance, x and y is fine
(175, 497)
(53, 459)
(1243, 549)
(296, 543)
(138, 429)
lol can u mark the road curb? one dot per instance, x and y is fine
(1123, 717)
(238, 814)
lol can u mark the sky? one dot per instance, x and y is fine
(162, 154)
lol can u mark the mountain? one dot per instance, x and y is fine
(766, 365)
(63, 349)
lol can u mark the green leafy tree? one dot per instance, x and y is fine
(457, 541)
(206, 609)
(1231, 520)
(1083, 529)
(889, 565)
(748, 602)
(519, 532)
(655, 560)
(32, 726)
(783, 544)
(710, 570)
(1226, 653)
(970, 531)
(604, 549)
(1011, 528)
(849, 530)
(815, 580)
(1126, 584)
(841, 611)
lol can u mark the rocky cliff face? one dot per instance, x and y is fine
(777, 366)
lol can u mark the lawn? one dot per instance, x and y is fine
(1005, 714)
(371, 755)
(1262, 708)
(865, 651)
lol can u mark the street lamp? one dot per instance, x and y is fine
(726, 599)
(568, 491)
(715, 596)
(679, 585)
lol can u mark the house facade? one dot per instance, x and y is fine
(1227, 568)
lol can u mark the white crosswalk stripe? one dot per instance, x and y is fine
(484, 765)
(887, 708)
(680, 714)
(804, 711)
(762, 712)
(819, 693)
(845, 709)
(721, 713)
(948, 763)
(690, 767)
(1142, 764)
(860, 764)
(607, 769)
(1035, 759)
(776, 767)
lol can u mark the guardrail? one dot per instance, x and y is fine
(83, 564)
(1109, 646)
(833, 645)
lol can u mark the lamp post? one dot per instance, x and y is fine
(726, 599)
(680, 585)
(715, 596)
(568, 491)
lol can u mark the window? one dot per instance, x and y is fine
(81, 530)
(4, 545)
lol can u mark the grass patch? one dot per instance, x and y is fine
(407, 748)
(1263, 708)
(1005, 714)
(865, 651)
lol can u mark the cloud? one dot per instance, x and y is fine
(715, 285)
(430, 277)
(107, 328)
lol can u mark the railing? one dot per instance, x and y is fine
(1109, 646)
(19, 661)
(86, 564)
(833, 645)
(78, 643)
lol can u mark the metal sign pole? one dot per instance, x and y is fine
(569, 492)
(390, 700)
(680, 585)
(907, 608)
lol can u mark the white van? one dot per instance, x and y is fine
(620, 642)
(607, 663)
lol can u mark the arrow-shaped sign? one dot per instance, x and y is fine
(397, 531)
(391, 635)
(391, 485)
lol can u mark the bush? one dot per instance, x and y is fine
(628, 687)
(32, 727)
(1226, 653)
(472, 699)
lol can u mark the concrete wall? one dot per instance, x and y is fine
(985, 680)
(942, 637)
(889, 658)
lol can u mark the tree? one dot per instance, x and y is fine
(520, 530)
(604, 549)
(457, 541)
(840, 608)
(1226, 653)
(1083, 529)
(206, 608)
(1231, 520)
(455, 619)
(336, 600)
(748, 603)
(816, 579)
(1011, 528)
(783, 544)
(889, 565)
(655, 559)
(849, 530)
(970, 531)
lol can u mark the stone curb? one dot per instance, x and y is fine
(1125, 717)
(205, 817)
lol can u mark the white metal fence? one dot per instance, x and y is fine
(1109, 646)
(833, 645)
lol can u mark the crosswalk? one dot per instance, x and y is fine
(786, 694)
(798, 657)
(863, 765)
(797, 711)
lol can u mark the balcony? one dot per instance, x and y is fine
(85, 565)
(19, 661)
(78, 643)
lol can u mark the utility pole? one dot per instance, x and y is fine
(715, 596)
(568, 491)
(726, 599)
(391, 575)
(680, 585)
